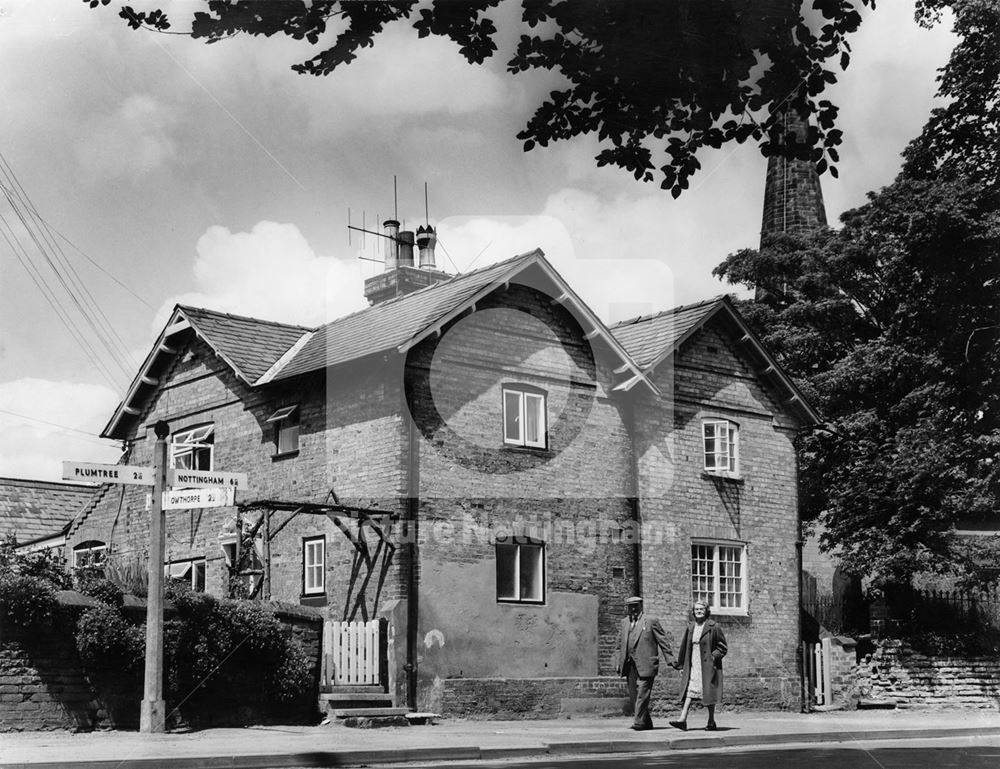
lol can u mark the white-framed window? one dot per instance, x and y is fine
(190, 572)
(524, 418)
(89, 554)
(192, 449)
(719, 576)
(521, 572)
(313, 565)
(286, 427)
(722, 447)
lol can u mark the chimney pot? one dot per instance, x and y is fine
(406, 248)
(426, 240)
(391, 229)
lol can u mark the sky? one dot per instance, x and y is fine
(169, 171)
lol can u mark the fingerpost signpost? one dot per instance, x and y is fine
(213, 489)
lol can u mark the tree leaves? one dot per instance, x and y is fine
(640, 73)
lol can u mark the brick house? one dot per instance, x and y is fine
(482, 462)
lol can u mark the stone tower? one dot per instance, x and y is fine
(793, 199)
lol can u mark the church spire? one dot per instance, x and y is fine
(793, 199)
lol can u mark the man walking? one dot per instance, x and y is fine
(642, 639)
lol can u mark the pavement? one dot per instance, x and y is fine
(334, 745)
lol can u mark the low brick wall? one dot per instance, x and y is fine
(43, 685)
(896, 673)
(516, 698)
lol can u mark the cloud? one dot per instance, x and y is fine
(131, 142)
(271, 273)
(35, 445)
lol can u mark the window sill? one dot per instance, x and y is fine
(313, 599)
(737, 479)
(535, 450)
(515, 602)
(286, 455)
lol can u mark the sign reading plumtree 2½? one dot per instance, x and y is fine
(88, 471)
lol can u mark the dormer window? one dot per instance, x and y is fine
(524, 418)
(286, 429)
(721, 447)
(192, 449)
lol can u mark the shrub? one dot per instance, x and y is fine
(92, 582)
(108, 642)
(46, 565)
(27, 602)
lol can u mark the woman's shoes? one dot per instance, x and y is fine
(711, 727)
(682, 725)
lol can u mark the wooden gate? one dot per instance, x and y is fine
(354, 653)
(817, 674)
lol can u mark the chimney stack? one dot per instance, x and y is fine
(426, 240)
(391, 229)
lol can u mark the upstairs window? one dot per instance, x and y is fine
(719, 576)
(192, 449)
(286, 429)
(524, 421)
(313, 565)
(89, 554)
(722, 446)
(521, 572)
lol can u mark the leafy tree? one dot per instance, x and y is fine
(892, 325)
(644, 74)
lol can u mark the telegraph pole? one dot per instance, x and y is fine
(152, 716)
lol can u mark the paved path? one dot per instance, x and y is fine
(450, 739)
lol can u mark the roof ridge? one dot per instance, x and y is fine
(425, 289)
(191, 307)
(69, 484)
(669, 311)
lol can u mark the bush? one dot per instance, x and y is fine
(27, 602)
(92, 582)
(43, 564)
(108, 642)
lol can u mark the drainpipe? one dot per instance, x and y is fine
(412, 586)
(634, 507)
(803, 697)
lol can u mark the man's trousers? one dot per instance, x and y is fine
(639, 690)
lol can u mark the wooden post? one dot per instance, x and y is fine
(152, 716)
(267, 555)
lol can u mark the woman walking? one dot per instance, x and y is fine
(700, 657)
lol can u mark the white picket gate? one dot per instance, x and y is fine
(352, 653)
(816, 670)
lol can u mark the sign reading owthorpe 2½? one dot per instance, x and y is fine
(186, 499)
(205, 479)
(87, 471)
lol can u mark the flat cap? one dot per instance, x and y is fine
(633, 600)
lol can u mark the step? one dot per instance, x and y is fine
(340, 688)
(368, 712)
(375, 698)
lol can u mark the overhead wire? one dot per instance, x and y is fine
(115, 355)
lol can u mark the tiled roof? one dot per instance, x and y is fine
(647, 338)
(391, 324)
(250, 345)
(34, 510)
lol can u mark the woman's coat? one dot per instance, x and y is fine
(712, 645)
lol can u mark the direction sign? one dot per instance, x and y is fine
(206, 479)
(186, 499)
(88, 471)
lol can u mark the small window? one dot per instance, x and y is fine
(719, 576)
(521, 572)
(314, 565)
(89, 554)
(192, 449)
(190, 572)
(286, 427)
(721, 447)
(524, 418)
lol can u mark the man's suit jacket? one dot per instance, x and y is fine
(643, 644)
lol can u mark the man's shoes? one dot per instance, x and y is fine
(682, 725)
(711, 727)
(640, 728)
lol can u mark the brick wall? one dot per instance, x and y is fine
(897, 673)
(517, 698)
(710, 379)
